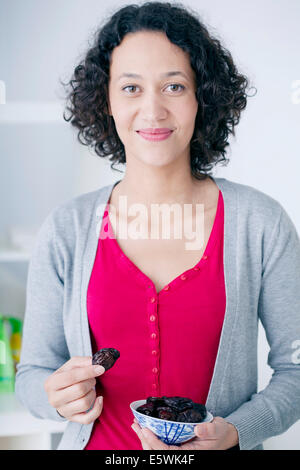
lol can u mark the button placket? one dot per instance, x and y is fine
(154, 338)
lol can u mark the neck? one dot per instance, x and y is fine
(159, 186)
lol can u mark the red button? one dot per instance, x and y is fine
(196, 268)
(155, 370)
(167, 288)
(152, 318)
(154, 353)
(153, 385)
(205, 257)
(153, 299)
(183, 277)
(153, 336)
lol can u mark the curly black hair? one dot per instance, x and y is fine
(220, 90)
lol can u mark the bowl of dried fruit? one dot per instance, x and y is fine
(172, 419)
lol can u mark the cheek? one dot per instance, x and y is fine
(186, 112)
(124, 117)
(123, 122)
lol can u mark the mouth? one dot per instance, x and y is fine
(155, 135)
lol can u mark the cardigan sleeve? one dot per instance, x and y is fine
(44, 348)
(273, 410)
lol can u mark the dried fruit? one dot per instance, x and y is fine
(175, 408)
(106, 357)
(201, 409)
(190, 416)
(156, 401)
(165, 412)
(146, 409)
(179, 403)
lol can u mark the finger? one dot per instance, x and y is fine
(78, 406)
(198, 444)
(151, 439)
(75, 375)
(90, 416)
(155, 442)
(206, 430)
(74, 392)
(76, 361)
(144, 443)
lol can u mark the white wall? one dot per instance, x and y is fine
(40, 43)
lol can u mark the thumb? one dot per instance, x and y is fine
(201, 431)
(99, 405)
(95, 411)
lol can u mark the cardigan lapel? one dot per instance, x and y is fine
(88, 258)
(230, 272)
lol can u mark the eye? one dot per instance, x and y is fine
(129, 86)
(176, 84)
(171, 85)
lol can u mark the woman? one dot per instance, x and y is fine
(158, 92)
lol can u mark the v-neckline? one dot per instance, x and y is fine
(175, 282)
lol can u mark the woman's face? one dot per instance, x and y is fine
(152, 100)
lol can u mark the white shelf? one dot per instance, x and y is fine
(15, 420)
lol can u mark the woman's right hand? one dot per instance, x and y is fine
(71, 390)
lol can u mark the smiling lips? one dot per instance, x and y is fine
(155, 134)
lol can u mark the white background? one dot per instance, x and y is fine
(42, 164)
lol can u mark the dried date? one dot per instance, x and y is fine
(165, 412)
(156, 401)
(179, 403)
(146, 409)
(106, 357)
(190, 416)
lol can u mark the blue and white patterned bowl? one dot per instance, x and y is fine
(170, 432)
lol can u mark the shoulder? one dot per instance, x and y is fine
(251, 202)
(259, 215)
(83, 203)
(80, 209)
(69, 222)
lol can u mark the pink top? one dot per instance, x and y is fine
(168, 341)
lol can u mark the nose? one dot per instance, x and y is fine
(153, 108)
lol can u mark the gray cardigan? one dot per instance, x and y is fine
(262, 280)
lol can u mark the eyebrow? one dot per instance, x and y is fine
(163, 75)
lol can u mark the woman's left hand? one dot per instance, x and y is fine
(216, 435)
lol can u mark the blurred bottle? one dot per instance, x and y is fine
(15, 338)
(10, 349)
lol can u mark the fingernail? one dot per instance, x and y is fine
(99, 369)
